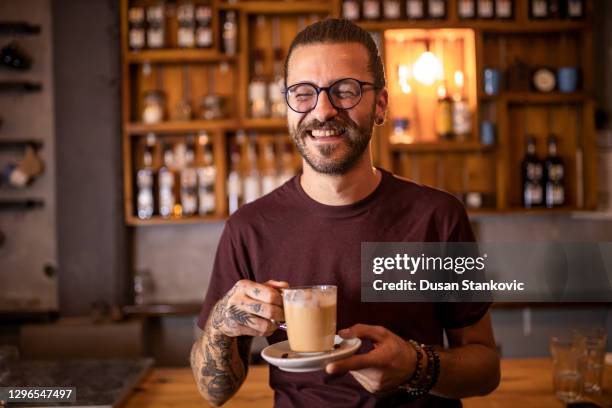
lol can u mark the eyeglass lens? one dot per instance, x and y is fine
(343, 94)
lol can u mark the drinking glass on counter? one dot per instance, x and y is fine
(568, 380)
(8, 356)
(591, 344)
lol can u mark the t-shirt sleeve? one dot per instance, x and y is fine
(230, 266)
(456, 228)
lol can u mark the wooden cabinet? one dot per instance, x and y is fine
(514, 46)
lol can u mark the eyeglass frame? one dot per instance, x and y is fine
(320, 89)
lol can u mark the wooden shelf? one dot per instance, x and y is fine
(538, 211)
(539, 98)
(20, 144)
(139, 128)
(275, 7)
(177, 56)
(264, 124)
(484, 25)
(440, 147)
(134, 221)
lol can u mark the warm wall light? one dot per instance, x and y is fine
(427, 69)
(404, 74)
(459, 79)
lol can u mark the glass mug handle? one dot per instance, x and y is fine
(280, 325)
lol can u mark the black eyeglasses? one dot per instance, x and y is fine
(343, 94)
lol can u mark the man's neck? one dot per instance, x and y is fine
(341, 189)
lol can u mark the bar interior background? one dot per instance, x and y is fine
(77, 255)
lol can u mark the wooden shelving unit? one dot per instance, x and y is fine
(491, 169)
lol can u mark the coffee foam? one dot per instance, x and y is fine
(310, 298)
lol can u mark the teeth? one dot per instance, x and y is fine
(325, 133)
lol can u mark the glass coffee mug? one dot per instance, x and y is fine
(310, 317)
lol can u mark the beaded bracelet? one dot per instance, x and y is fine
(413, 388)
(418, 370)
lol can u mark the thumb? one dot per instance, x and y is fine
(376, 333)
(353, 363)
(277, 284)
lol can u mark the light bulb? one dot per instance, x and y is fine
(427, 68)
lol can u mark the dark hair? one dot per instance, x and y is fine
(334, 31)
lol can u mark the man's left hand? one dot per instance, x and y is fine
(388, 365)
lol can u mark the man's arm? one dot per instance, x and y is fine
(220, 357)
(220, 364)
(470, 367)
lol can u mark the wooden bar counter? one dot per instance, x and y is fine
(525, 383)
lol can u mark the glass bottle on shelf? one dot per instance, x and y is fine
(466, 9)
(230, 33)
(554, 9)
(371, 9)
(350, 10)
(278, 107)
(252, 178)
(486, 9)
(185, 35)
(189, 181)
(574, 9)
(436, 9)
(206, 177)
(538, 9)
(401, 131)
(269, 177)
(156, 32)
(154, 106)
(415, 9)
(145, 181)
(287, 170)
(167, 183)
(234, 182)
(533, 192)
(392, 9)
(444, 115)
(462, 118)
(204, 33)
(258, 99)
(504, 9)
(554, 173)
(136, 34)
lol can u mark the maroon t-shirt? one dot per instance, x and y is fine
(286, 235)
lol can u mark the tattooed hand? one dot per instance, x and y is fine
(248, 308)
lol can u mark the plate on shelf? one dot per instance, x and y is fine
(281, 356)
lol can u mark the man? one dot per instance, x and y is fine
(309, 231)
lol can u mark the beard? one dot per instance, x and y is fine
(326, 158)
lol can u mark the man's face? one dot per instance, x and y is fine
(331, 140)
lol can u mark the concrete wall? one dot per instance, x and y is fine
(93, 249)
(30, 235)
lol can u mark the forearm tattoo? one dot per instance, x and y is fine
(220, 362)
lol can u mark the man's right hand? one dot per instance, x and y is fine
(248, 309)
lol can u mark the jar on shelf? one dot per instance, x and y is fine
(212, 107)
(153, 107)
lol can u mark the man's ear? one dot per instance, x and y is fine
(382, 102)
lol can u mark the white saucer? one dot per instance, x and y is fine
(295, 362)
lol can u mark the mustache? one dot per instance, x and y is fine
(333, 124)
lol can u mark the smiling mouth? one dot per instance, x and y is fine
(320, 134)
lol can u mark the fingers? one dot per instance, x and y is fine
(265, 310)
(277, 284)
(376, 333)
(356, 362)
(263, 293)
